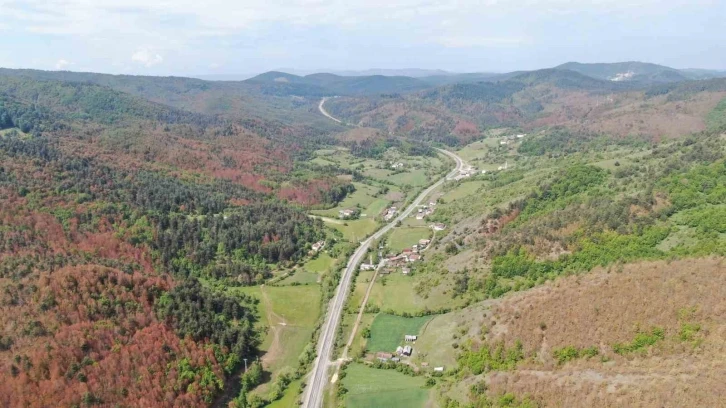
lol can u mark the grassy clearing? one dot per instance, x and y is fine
(289, 400)
(372, 388)
(322, 263)
(290, 313)
(436, 340)
(376, 207)
(301, 277)
(402, 238)
(465, 189)
(363, 197)
(387, 331)
(416, 178)
(356, 230)
(398, 293)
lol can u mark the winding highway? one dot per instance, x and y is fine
(314, 391)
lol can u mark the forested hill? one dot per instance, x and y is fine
(231, 99)
(113, 211)
(456, 113)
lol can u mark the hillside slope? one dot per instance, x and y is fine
(120, 219)
(454, 114)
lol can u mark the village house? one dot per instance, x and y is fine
(390, 213)
(413, 258)
(318, 246)
(347, 213)
(410, 337)
(438, 226)
(398, 165)
(406, 271)
(367, 267)
(439, 369)
(423, 243)
(399, 350)
(407, 351)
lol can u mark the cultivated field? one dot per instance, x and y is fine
(387, 331)
(373, 388)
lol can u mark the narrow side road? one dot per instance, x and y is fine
(325, 113)
(313, 395)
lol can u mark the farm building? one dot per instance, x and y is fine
(439, 369)
(367, 267)
(410, 337)
(406, 271)
(413, 258)
(438, 226)
(407, 351)
(399, 350)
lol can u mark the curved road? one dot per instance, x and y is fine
(324, 112)
(313, 395)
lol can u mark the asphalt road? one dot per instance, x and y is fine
(313, 395)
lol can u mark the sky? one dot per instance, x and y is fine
(220, 37)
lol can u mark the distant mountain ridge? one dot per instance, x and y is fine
(326, 84)
(641, 72)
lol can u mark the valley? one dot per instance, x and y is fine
(531, 239)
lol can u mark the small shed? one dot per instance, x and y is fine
(410, 337)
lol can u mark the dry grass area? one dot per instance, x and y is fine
(607, 307)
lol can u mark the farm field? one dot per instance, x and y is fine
(387, 331)
(372, 388)
(405, 237)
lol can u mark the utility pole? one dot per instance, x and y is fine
(245, 364)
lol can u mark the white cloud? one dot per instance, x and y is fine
(62, 64)
(147, 57)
